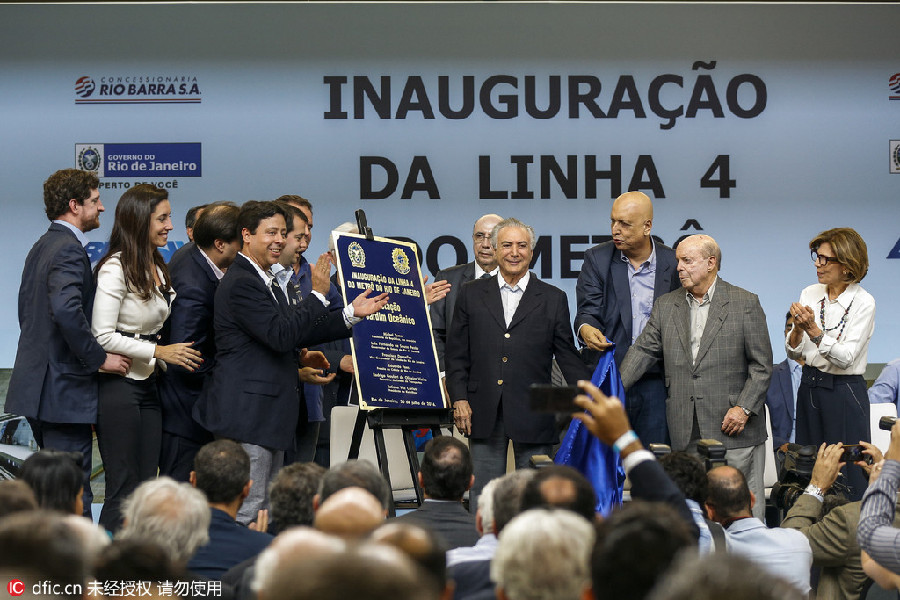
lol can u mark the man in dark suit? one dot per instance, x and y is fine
(718, 360)
(53, 382)
(616, 288)
(252, 396)
(445, 475)
(222, 473)
(484, 264)
(506, 331)
(195, 275)
(781, 398)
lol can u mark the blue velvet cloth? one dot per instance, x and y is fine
(594, 459)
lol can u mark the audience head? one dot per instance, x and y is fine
(222, 471)
(16, 496)
(41, 546)
(136, 560)
(507, 497)
(484, 516)
(295, 544)
(422, 546)
(446, 470)
(729, 496)
(688, 473)
(560, 486)
(171, 514)
(57, 480)
(722, 575)
(93, 538)
(291, 495)
(66, 185)
(543, 555)
(349, 513)
(634, 547)
(355, 473)
(378, 573)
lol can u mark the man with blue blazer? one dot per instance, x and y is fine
(253, 394)
(53, 383)
(195, 275)
(506, 332)
(485, 264)
(781, 397)
(619, 281)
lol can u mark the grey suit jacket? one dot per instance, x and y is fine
(733, 365)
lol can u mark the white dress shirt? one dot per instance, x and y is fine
(511, 295)
(118, 308)
(849, 355)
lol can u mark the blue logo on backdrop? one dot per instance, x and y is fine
(140, 160)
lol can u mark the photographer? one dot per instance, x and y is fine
(832, 534)
(878, 533)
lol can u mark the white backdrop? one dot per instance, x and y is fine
(807, 130)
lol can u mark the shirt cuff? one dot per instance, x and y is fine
(636, 458)
(350, 319)
(321, 297)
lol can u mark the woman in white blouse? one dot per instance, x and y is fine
(131, 304)
(833, 323)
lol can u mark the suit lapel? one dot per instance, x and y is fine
(787, 389)
(531, 299)
(244, 263)
(682, 318)
(468, 273)
(619, 272)
(663, 277)
(197, 257)
(718, 312)
(490, 292)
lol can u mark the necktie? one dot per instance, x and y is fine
(485, 276)
(279, 295)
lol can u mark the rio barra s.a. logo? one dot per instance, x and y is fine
(84, 87)
(894, 85)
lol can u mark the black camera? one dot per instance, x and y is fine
(796, 473)
(886, 423)
(713, 453)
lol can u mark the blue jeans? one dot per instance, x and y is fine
(489, 458)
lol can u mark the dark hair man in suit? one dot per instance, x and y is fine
(252, 396)
(196, 273)
(445, 475)
(53, 383)
(617, 285)
(506, 331)
(483, 264)
(222, 472)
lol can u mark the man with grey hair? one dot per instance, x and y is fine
(483, 266)
(171, 514)
(544, 555)
(506, 331)
(484, 522)
(714, 343)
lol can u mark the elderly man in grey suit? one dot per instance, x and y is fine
(484, 265)
(713, 339)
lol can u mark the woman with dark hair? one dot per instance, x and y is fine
(833, 323)
(56, 479)
(132, 302)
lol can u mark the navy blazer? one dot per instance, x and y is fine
(191, 320)
(781, 403)
(253, 394)
(604, 296)
(441, 312)
(489, 363)
(54, 377)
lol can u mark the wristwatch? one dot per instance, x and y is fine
(746, 410)
(814, 490)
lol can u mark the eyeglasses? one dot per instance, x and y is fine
(480, 236)
(820, 259)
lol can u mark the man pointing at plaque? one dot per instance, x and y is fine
(505, 332)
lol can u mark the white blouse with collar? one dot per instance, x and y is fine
(118, 308)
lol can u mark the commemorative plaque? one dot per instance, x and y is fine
(393, 350)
